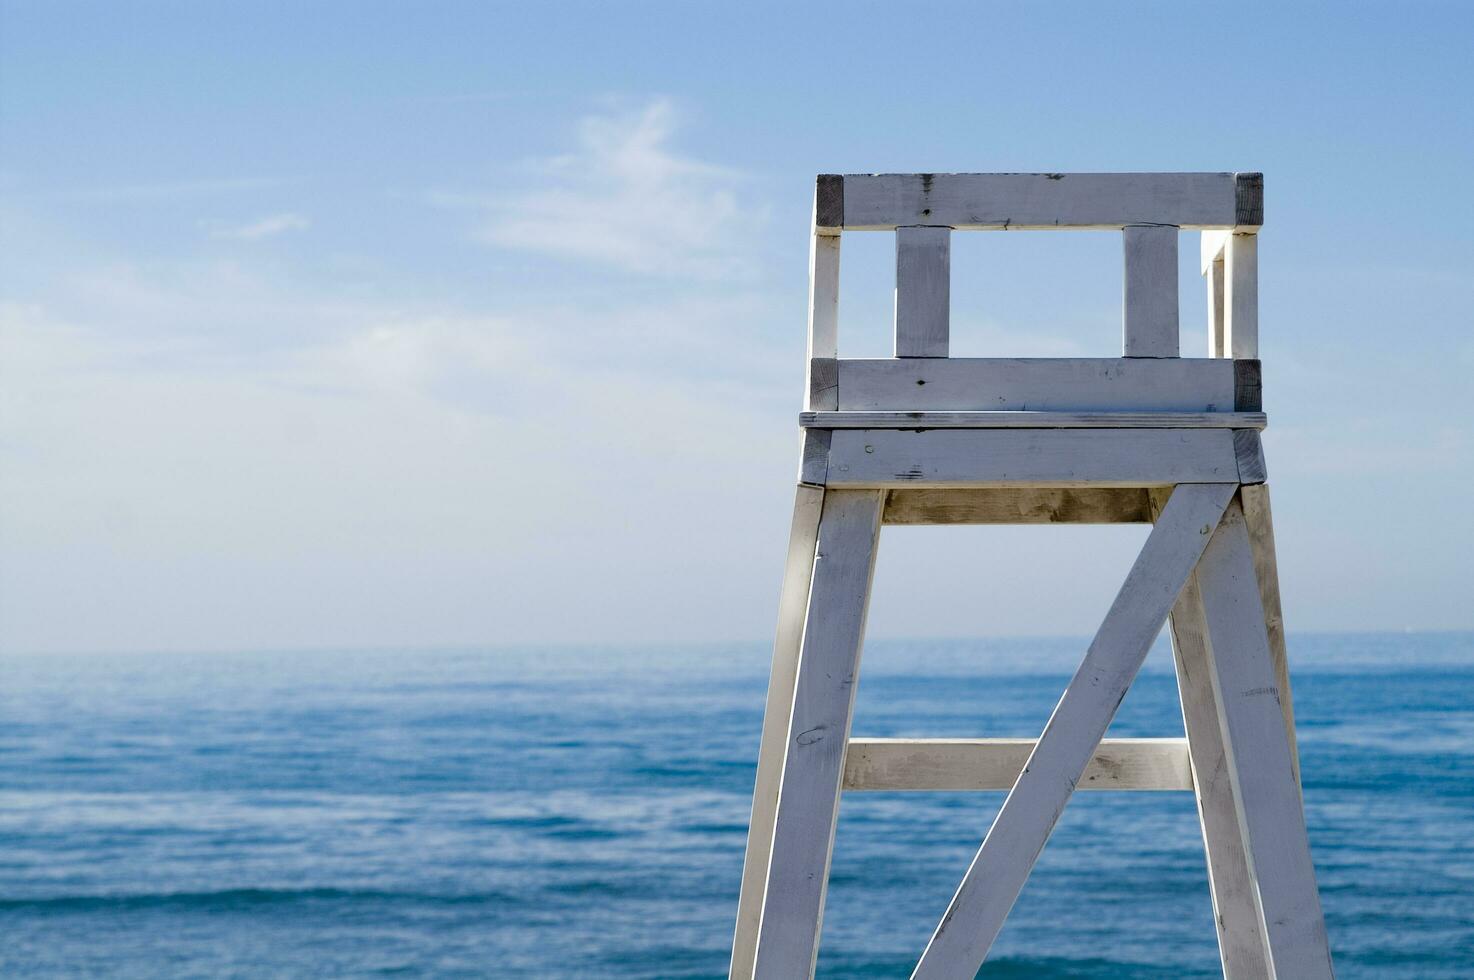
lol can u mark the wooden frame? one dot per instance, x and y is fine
(1040, 202)
(1149, 437)
(1044, 384)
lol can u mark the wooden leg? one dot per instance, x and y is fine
(1255, 500)
(998, 872)
(793, 602)
(1240, 941)
(823, 700)
(1271, 818)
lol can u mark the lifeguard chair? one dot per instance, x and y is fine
(1149, 437)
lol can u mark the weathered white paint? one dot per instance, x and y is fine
(1033, 420)
(923, 291)
(1014, 505)
(1210, 248)
(1030, 457)
(1235, 914)
(996, 202)
(818, 729)
(1149, 320)
(1241, 296)
(793, 600)
(823, 318)
(1257, 518)
(1002, 865)
(1265, 790)
(1214, 279)
(1240, 939)
(891, 764)
(1043, 384)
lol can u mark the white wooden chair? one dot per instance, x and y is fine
(924, 438)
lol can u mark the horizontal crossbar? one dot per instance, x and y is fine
(1041, 384)
(1042, 201)
(962, 458)
(1012, 505)
(957, 764)
(1033, 420)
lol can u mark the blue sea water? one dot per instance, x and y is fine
(582, 812)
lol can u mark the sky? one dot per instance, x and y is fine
(390, 324)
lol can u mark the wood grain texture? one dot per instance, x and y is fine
(1249, 451)
(1252, 719)
(1260, 522)
(793, 600)
(1033, 420)
(1013, 505)
(1236, 916)
(818, 730)
(828, 204)
(1041, 201)
(885, 458)
(967, 764)
(1043, 384)
(1249, 199)
(923, 291)
(1149, 318)
(1002, 865)
(1248, 388)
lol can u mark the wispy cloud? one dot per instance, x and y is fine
(625, 198)
(163, 190)
(267, 227)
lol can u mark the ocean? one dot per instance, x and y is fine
(582, 812)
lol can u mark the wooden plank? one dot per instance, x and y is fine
(1248, 388)
(1241, 296)
(793, 600)
(1249, 194)
(1044, 384)
(1012, 505)
(819, 728)
(1251, 715)
(1042, 201)
(813, 464)
(1002, 865)
(1030, 457)
(1235, 915)
(1149, 321)
(1260, 522)
(823, 383)
(1249, 450)
(1033, 420)
(958, 764)
(923, 291)
(828, 205)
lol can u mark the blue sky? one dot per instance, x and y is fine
(344, 324)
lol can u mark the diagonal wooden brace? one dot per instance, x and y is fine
(997, 875)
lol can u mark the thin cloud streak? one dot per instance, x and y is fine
(267, 227)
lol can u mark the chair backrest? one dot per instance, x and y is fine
(1149, 209)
